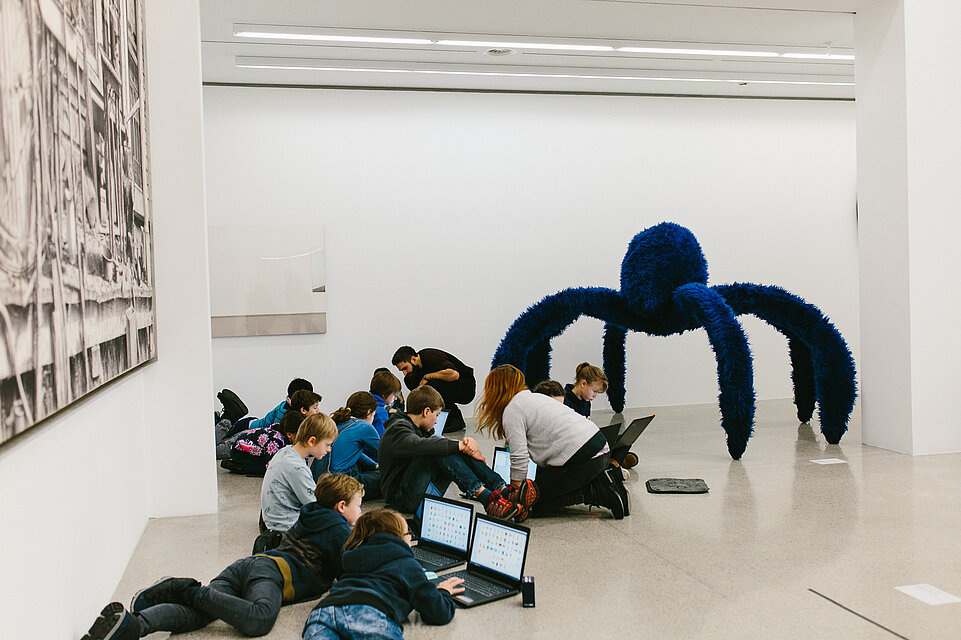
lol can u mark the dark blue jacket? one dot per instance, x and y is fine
(309, 556)
(382, 573)
(583, 407)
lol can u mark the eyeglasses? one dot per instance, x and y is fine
(408, 534)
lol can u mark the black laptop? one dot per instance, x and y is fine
(497, 554)
(621, 442)
(444, 533)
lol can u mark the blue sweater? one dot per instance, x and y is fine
(272, 417)
(380, 415)
(356, 444)
(382, 573)
(309, 556)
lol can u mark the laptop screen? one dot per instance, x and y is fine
(441, 421)
(445, 523)
(498, 547)
(501, 464)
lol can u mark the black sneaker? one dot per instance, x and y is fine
(601, 493)
(168, 590)
(114, 623)
(267, 541)
(234, 407)
(617, 479)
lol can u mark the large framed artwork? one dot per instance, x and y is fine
(76, 270)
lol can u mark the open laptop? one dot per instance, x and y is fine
(621, 442)
(444, 533)
(498, 551)
(439, 425)
(501, 464)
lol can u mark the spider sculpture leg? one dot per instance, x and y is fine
(527, 343)
(614, 365)
(735, 371)
(538, 363)
(829, 362)
(802, 375)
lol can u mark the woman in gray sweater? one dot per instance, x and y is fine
(572, 455)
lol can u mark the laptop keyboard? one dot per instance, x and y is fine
(477, 584)
(429, 557)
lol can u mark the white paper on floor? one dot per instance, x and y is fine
(830, 461)
(928, 594)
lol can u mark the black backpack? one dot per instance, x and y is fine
(234, 407)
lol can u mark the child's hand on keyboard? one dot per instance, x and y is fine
(452, 585)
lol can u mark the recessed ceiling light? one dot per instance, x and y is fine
(329, 38)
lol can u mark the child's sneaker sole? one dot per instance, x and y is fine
(107, 624)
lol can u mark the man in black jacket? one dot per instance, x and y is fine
(409, 458)
(453, 379)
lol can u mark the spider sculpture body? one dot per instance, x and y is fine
(664, 292)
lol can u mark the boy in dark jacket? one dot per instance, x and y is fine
(382, 583)
(249, 593)
(410, 458)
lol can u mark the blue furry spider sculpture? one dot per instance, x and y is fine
(664, 292)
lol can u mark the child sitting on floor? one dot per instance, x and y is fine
(588, 382)
(249, 593)
(384, 386)
(355, 450)
(251, 450)
(288, 484)
(410, 458)
(381, 584)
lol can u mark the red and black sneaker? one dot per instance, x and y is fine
(525, 494)
(500, 508)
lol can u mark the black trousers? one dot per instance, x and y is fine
(559, 487)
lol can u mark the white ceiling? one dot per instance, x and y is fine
(797, 25)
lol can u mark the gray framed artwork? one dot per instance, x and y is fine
(267, 280)
(76, 272)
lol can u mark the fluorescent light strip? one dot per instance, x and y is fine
(733, 52)
(819, 56)
(541, 75)
(700, 52)
(329, 38)
(524, 45)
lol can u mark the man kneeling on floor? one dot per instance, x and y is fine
(410, 457)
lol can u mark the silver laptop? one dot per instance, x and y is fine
(501, 464)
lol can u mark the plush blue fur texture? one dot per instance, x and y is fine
(664, 292)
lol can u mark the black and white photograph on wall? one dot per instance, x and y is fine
(76, 270)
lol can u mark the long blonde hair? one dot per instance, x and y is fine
(502, 384)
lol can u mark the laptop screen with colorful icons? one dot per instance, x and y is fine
(499, 547)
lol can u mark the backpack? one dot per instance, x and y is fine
(253, 450)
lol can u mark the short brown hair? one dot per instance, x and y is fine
(304, 399)
(384, 383)
(376, 521)
(426, 397)
(550, 388)
(333, 487)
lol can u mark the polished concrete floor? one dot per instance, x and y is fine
(780, 547)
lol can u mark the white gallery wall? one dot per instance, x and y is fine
(78, 489)
(447, 214)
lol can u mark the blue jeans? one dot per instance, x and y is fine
(351, 622)
(467, 473)
(246, 595)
